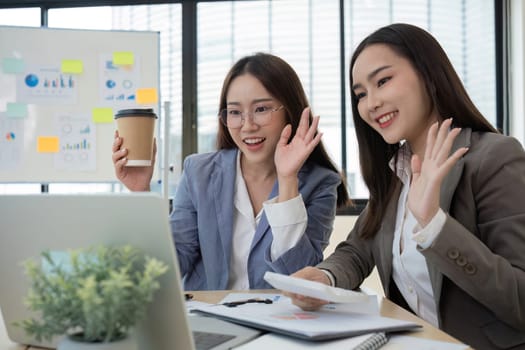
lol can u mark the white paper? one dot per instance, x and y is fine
(313, 289)
(117, 84)
(369, 306)
(193, 304)
(277, 341)
(78, 136)
(11, 142)
(244, 296)
(285, 316)
(45, 84)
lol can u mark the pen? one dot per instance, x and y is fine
(253, 300)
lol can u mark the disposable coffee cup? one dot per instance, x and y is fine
(137, 127)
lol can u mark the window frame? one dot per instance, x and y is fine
(189, 67)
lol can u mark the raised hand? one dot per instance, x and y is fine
(427, 175)
(290, 156)
(134, 178)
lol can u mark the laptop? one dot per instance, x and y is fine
(30, 224)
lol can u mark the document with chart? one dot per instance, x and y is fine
(331, 322)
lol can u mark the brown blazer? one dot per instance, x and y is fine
(477, 262)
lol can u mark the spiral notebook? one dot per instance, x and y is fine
(370, 341)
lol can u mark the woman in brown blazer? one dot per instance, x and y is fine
(445, 221)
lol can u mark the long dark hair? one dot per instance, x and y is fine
(443, 86)
(282, 82)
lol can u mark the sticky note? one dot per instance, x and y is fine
(16, 110)
(102, 115)
(13, 65)
(123, 58)
(147, 96)
(72, 66)
(47, 144)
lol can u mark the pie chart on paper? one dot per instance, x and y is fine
(10, 136)
(31, 80)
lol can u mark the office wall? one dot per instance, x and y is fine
(59, 90)
(517, 71)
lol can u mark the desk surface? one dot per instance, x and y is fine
(387, 308)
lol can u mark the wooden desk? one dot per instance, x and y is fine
(387, 308)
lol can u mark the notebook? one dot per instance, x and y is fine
(30, 224)
(370, 341)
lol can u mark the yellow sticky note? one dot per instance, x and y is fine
(147, 96)
(47, 144)
(72, 66)
(124, 58)
(102, 115)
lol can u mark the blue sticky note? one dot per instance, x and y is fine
(13, 65)
(16, 110)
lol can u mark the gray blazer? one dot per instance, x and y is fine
(202, 222)
(477, 263)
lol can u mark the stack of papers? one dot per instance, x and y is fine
(331, 322)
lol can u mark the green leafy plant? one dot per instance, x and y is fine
(98, 293)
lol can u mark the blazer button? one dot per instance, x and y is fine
(461, 261)
(470, 269)
(453, 253)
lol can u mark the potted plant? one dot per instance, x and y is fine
(96, 295)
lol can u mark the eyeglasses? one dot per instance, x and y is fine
(234, 118)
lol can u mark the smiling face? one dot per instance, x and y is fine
(257, 143)
(391, 96)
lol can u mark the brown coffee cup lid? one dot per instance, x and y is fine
(143, 112)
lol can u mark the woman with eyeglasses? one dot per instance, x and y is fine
(266, 199)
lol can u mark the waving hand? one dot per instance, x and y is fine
(290, 156)
(427, 175)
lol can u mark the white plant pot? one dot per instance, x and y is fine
(68, 343)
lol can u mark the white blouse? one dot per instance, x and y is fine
(288, 221)
(410, 271)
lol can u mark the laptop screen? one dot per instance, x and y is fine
(31, 224)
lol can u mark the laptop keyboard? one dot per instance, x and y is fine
(206, 341)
